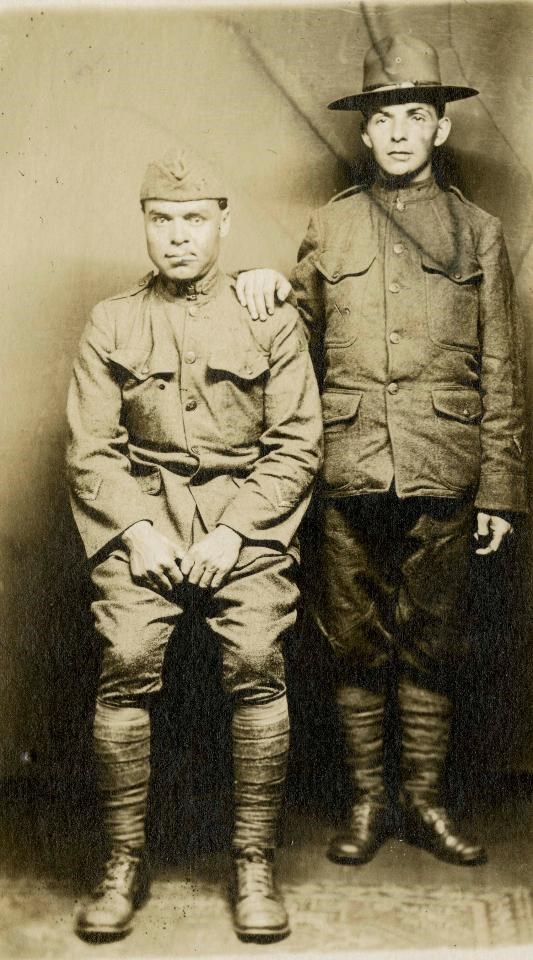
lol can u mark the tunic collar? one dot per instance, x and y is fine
(389, 192)
(204, 288)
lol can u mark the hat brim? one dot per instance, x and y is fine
(416, 94)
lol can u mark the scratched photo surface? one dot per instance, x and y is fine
(89, 95)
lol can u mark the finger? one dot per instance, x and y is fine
(174, 574)
(218, 579)
(260, 300)
(239, 289)
(482, 525)
(158, 581)
(206, 578)
(250, 303)
(269, 299)
(283, 289)
(195, 573)
(492, 546)
(497, 538)
(186, 565)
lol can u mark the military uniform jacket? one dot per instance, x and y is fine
(409, 304)
(180, 404)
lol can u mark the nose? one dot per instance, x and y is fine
(398, 129)
(179, 232)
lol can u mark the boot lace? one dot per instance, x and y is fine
(120, 871)
(254, 874)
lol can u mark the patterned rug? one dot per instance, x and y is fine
(367, 918)
(184, 918)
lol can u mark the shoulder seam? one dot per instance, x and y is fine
(136, 288)
(355, 189)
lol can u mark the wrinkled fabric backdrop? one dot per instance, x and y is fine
(88, 98)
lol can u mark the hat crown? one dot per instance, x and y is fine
(182, 175)
(400, 59)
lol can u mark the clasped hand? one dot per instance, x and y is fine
(155, 560)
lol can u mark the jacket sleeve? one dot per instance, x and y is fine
(502, 378)
(307, 293)
(105, 498)
(272, 501)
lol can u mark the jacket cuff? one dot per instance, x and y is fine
(502, 493)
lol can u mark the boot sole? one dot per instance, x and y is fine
(260, 935)
(102, 934)
(443, 855)
(351, 861)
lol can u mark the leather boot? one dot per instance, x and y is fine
(426, 723)
(362, 715)
(122, 755)
(260, 739)
(108, 912)
(259, 914)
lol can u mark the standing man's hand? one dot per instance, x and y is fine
(154, 559)
(490, 525)
(258, 290)
(207, 562)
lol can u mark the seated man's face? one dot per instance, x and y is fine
(183, 237)
(402, 137)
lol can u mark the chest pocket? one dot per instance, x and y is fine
(148, 405)
(346, 274)
(236, 381)
(452, 300)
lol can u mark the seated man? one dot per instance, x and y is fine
(194, 442)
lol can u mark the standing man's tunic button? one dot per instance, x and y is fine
(394, 337)
(394, 287)
(399, 248)
(190, 357)
(393, 388)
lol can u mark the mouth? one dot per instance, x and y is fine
(180, 261)
(399, 154)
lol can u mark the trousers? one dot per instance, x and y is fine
(249, 615)
(395, 576)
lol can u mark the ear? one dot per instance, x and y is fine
(443, 131)
(366, 139)
(225, 223)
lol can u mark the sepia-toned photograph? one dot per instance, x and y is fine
(267, 341)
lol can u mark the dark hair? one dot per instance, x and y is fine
(222, 202)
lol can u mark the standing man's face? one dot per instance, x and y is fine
(183, 237)
(402, 138)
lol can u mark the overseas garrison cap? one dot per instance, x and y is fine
(401, 69)
(182, 175)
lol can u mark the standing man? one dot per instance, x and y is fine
(194, 441)
(407, 295)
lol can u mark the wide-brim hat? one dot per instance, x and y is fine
(401, 69)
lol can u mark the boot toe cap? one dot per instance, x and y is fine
(261, 918)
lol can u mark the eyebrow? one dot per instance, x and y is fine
(412, 110)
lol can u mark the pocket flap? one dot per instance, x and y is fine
(88, 487)
(338, 407)
(465, 269)
(142, 367)
(334, 265)
(462, 405)
(244, 366)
